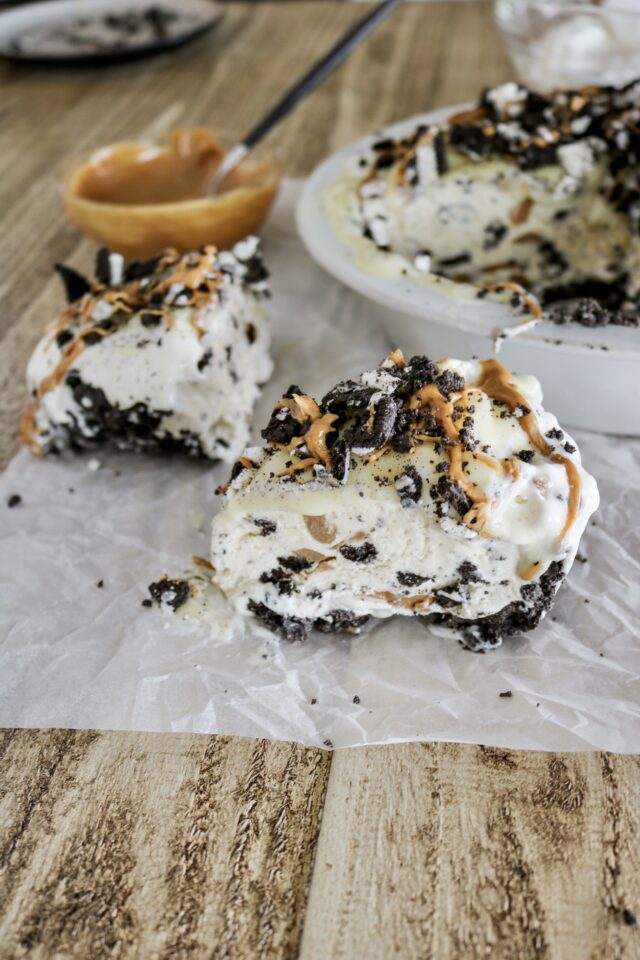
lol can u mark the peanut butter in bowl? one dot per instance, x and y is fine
(140, 198)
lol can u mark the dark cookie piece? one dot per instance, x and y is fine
(449, 492)
(267, 527)
(295, 564)
(63, 338)
(384, 419)
(410, 579)
(14, 500)
(468, 572)
(174, 593)
(347, 395)
(341, 621)
(102, 267)
(204, 360)
(282, 426)
(75, 284)
(526, 455)
(359, 553)
(494, 232)
(409, 486)
(291, 628)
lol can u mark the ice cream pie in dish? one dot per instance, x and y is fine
(481, 221)
(440, 490)
(166, 354)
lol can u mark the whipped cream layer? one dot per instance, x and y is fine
(438, 490)
(167, 355)
(524, 194)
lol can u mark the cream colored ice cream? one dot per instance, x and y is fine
(525, 196)
(169, 356)
(439, 490)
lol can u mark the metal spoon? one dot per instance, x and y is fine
(300, 90)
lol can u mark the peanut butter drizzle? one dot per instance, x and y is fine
(457, 474)
(203, 562)
(28, 420)
(496, 383)
(297, 467)
(316, 437)
(442, 409)
(301, 407)
(529, 572)
(527, 299)
(484, 458)
(397, 357)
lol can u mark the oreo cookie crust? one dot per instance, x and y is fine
(439, 490)
(165, 355)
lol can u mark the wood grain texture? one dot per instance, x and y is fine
(176, 846)
(445, 851)
(122, 845)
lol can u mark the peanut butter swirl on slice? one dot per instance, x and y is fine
(403, 406)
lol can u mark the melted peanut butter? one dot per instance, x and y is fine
(520, 213)
(132, 173)
(529, 572)
(316, 437)
(496, 383)
(297, 467)
(442, 409)
(397, 357)
(28, 430)
(320, 528)
(410, 603)
(301, 406)
(526, 298)
(313, 556)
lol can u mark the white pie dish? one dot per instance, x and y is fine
(590, 376)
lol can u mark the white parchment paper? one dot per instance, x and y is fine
(73, 654)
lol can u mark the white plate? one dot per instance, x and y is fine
(590, 377)
(196, 17)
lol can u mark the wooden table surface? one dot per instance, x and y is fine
(116, 845)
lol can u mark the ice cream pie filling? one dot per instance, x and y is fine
(531, 199)
(436, 489)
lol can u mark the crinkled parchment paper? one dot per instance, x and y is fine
(73, 654)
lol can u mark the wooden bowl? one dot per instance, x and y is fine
(140, 198)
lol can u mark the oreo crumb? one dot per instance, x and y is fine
(100, 583)
(14, 500)
(173, 593)
(267, 527)
(356, 699)
(360, 553)
(506, 693)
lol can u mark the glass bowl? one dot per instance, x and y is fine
(571, 43)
